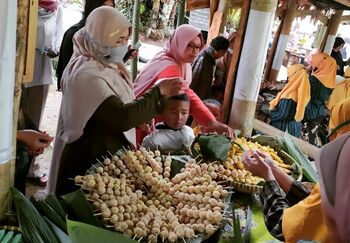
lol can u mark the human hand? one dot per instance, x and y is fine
(171, 86)
(221, 128)
(256, 165)
(147, 127)
(35, 141)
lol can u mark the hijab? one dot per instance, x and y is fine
(338, 42)
(324, 69)
(333, 166)
(88, 79)
(340, 113)
(171, 55)
(297, 89)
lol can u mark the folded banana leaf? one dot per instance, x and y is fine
(46, 210)
(78, 208)
(80, 232)
(214, 147)
(53, 202)
(33, 226)
(177, 163)
(61, 236)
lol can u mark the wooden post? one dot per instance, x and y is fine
(328, 42)
(135, 36)
(181, 13)
(283, 39)
(251, 64)
(218, 21)
(213, 8)
(20, 38)
(232, 72)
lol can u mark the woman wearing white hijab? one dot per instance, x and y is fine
(99, 110)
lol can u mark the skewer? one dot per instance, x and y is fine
(200, 161)
(134, 237)
(184, 240)
(94, 166)
(110, 154)
(72, 179)
(109, 226)
(162, 239)
(97, 214)
(140, 239)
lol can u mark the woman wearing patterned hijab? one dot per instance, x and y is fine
(98, 111)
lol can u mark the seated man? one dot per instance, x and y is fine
(172, 135)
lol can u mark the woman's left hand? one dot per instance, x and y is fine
(171, 86)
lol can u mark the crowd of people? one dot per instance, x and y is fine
(104, 110)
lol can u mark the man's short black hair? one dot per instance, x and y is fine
(220, 43)
(182, 97)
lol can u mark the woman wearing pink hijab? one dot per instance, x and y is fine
(175, 61)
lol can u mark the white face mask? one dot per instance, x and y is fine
(117, 53)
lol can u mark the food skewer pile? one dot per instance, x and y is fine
(132, 192)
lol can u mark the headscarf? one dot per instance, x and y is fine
(50, 5)
(171, 55)
(88, 79)
(340, 113)
(338, 41)
(340, 92)
(297, 89)
(325, 68)
(333, 167)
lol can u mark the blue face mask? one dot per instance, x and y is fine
(117, 53)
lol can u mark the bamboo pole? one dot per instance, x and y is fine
(135, 36)
(283, 39)
(181, 13)
(232, 72)
(251, 64)
(328, 41)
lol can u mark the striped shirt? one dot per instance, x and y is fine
(274, 201)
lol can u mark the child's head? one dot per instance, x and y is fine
(214, 106)
(176, 111)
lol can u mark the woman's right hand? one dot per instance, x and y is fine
(256, 163)
(171, 86)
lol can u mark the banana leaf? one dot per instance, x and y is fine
(300, 158)
(45, 209)
(17, 239)
(53, 202)
(78, 208)
(33, 226)
(214, 147)
(61, 236)
(81, 232)
(177, 163)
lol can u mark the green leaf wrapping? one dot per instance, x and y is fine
(214, 147)
(33, 226)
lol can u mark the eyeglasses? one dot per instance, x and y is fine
(194, 47)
